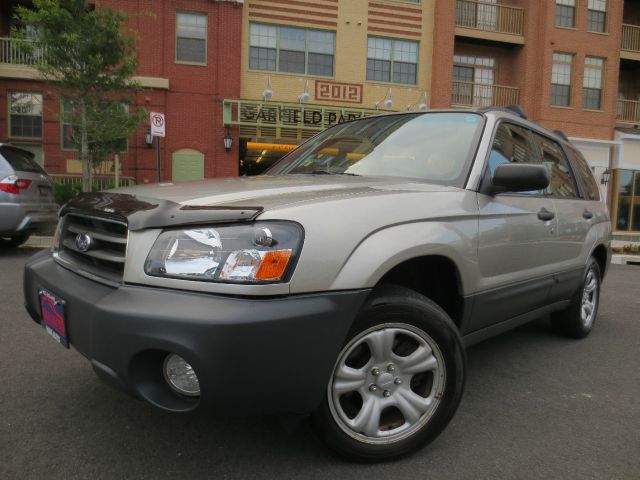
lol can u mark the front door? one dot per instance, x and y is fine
(516, 233)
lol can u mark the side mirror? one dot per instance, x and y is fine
(519, 177)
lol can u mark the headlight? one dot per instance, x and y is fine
(252, 253)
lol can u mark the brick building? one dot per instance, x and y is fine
(188, 62)
(278, 71)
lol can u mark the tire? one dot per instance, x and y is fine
(578, 318)
(397, 381)
(14, 240)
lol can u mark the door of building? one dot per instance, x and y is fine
(187, 164)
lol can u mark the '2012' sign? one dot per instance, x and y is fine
(340, 92)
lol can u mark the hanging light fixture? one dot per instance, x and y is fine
(606, 176)
(387, 101)
(423, 105)
(148, 139)
(304, 96)
(268, 92)
(228, 141)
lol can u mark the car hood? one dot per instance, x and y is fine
(270, 192)
(235, 199)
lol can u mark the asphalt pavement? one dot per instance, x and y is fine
(536, 406)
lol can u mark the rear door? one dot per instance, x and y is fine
(517, 230)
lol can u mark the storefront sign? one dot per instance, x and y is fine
(286, 121)
(301, 117)
(338, 92)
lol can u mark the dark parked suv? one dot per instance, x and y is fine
(345, 283)
(26, 197)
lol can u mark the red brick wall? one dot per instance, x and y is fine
(193, 104)
(443, 48)
(574, 120)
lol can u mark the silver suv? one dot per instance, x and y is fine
(26, 197)
(345, 283)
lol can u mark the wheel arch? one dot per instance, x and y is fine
(601, 255)
(445, 288)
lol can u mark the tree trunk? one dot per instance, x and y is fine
(84, 149)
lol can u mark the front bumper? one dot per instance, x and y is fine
(252, 356)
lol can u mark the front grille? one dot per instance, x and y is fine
(104, 256)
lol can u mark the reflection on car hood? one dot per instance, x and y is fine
(275, 192)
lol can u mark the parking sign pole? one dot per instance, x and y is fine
(158, 157)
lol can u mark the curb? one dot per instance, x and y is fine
(36, 241)
(621, 259)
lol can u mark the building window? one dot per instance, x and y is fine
(25, 115)
(593, 68)
(391, 60)
(191, 38)
(566, 13)
(291, 50)
(627, 211)
(473, 79)
(597, 17)
(561, 79)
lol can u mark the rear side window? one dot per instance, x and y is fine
(20, 160)
(583, 172)
(562, 182)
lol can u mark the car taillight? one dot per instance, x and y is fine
(13, 184)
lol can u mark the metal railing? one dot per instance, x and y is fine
(12, 52)
(628, 111)
(631, 38)
(490, 17)
(469, 94)
(102, 182)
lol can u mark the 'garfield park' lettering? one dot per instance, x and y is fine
(295, 117)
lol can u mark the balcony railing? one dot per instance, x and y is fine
(490, 17)
(631, 38)
(11, 52)
(628, 111)
(469, 94)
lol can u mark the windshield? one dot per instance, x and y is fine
(436, 146)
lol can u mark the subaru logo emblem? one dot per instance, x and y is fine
(83, 242)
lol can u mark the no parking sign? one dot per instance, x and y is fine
(157, 124)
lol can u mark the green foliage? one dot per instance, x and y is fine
(90, 57)
(63, 192)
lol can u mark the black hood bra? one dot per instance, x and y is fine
(142, 213)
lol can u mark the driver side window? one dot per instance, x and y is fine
(512, 143)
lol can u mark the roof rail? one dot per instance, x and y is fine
(561, 134)
(515, 109)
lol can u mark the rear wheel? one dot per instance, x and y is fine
(578, 319)
(13, 241)
(398, 379)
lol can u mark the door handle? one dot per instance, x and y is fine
(545, 215)
(587, 214)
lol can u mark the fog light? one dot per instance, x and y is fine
(180, 376)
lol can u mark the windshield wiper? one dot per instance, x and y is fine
(327, 172)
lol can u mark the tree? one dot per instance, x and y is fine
(90, 57)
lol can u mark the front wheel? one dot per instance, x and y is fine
(398, 379)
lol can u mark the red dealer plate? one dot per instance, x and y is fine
(52, 310)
